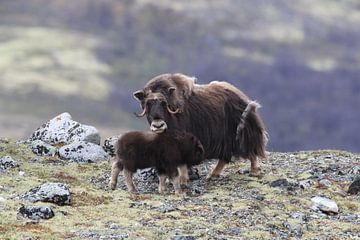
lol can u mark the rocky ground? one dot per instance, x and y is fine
(277, 205)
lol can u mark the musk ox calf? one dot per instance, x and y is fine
(169, 152)
(222, 117)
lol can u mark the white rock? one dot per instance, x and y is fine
(21, 173)
(325, 182)
(63, 130)
(83, 152)
(324, 204)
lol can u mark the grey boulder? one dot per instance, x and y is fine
(83, 152)
(36, 212)
(325, 205)
(63, 130)
(57, 193)
(7, 162)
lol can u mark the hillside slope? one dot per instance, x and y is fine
(233, 206)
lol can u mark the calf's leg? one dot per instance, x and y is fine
(129, 181)
(176, 182)
(115, 170)
(183, 174)
(162, 179)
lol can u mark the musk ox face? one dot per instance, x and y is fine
(163, 97)
(156, 108)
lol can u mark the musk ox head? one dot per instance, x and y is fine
(163, 97)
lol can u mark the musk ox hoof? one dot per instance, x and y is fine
(256, 173)
(183, 181)
(112, 186)
(210, 177)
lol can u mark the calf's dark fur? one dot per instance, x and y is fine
(170, 152)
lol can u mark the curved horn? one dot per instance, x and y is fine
(141, 114)
(171, 111)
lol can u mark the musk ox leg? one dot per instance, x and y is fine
(254, 169)
(217, 170)
(162, 179)
(183, 174)
(115, 170)
(176, 182)
(129, 181)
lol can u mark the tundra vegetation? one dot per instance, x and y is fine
(278, 205)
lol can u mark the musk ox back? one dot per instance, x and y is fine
(222, 117)
(169, 152)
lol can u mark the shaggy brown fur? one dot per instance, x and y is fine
(166, 152)
(220, 115)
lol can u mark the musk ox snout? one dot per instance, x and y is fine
(158, 126)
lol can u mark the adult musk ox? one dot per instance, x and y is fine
(222, 117)
(170, 153)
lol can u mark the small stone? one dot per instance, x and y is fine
(243, 171)
(146, 174)
(325, 205)
(193, 173)
(324, 182)
(183, 238)
(165, 208)
(7, 162)
(41, 148)
(260, 197)
(83, 152)
(298, 215)
(109, 145)
(305, 184)
(36, 212)
(235, 230)
(21, 173)
(295, 229)
(57, 193)
(354, 187)
(280, 183)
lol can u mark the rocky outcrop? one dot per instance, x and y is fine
(57, 193)
(69, 139)
(63, 130)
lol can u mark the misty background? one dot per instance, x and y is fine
(299, 59)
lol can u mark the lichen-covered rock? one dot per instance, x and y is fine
(7, 162)
(325, 205)
(183, 238)
(280, 183)
(354, 187)
(109, 145)
(146, 174)
(305, 184)
(63, 130)
(57, 193)
(36, 212)
(42, 148)
(83, 152)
